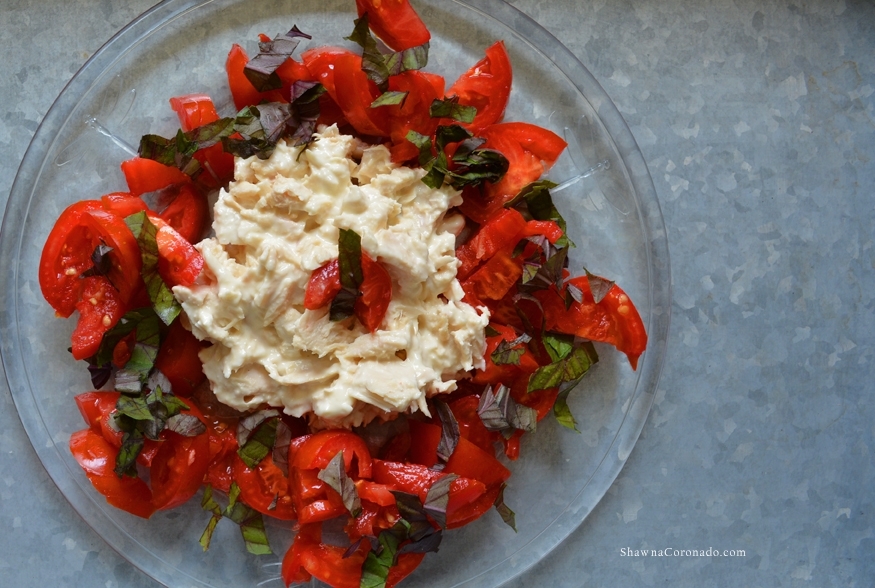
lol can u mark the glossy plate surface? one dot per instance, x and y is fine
(179, 47)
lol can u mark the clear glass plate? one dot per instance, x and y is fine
(178, 47)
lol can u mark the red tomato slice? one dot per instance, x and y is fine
(370, 307)
(178, 469)
(265, 488)
(223, 451)
(501, 231)
(147, 175)
(530, 150)
(320, 448)
(179, 263)
(395, 22)
(178, 359)
(187, 213)
(93, 405)
(614, 320)
(486, 87)
(422, 89)
(67, 254)
(495, 278)
(194, 110)
(308, 556)
(323, 285)
(242, 90)
(354, 93)
(99, 309)
(97, 457)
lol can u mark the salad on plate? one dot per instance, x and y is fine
(342, 305)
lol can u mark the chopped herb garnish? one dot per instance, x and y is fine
(510, 352)
(259, 444)
(598, 286)
(473, 164)
(449, 432)
(261, 69)
(566, 370)
(390, 98)
(250, 521)
(335, 476)
(165, 305)
(349, 247)
(450, 108)
(500, 412)
(437, 498)
(507, 515)
(378, 61)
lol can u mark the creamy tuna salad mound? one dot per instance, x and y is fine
(276, 223)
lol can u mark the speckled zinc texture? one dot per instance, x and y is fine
(757, 121)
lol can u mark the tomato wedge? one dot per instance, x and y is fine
(395, 22)
(147, 175)
(486, 87)
(265, 488)
(613, 320)
(318, 449)
(100, 309)
(178, 359)
(97, 457)
(376, 290)
(194, 110)
(242, 90)
(178, 469)
(179, 263)
(188, 212)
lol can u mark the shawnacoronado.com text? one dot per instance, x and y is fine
(672, 552)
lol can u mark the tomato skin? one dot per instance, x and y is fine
(178, 359)
(502, 230)
(308, 557)
(97, 457)
(486, 87)
(494, 279)
(422, 89)
(395, 22)
(178, 469)
(223, 450)
(99, 309)
(147, 175)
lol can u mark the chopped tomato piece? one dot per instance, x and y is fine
(395, 22)
(194, 110)
(178, 469)
(613, 320)
(97, 457)
(242, 90)
(99, 309)
(178, 359)
(486, 87)
(265, 488)
(320, 448)
(147, 175)
(323, 285)
(187, 213)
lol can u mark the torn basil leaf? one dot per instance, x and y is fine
(281, 446)
(375, 570)
(259, 444)
(209, 504)
(500, 412)
(250, 521)
(378, 61)
(335, 476)
(437, 498)
(507, 515)
(126, 460)
(450, 108)
(390, 98)
(449, 431)
(566, 370)
(165, 305)
(558, 345)
(562, 412)
(535, 201)
(186, 425)
(248, 424)
(261, 69)
(598, 286)
(101, 260)
(349, 258)
(473, 164)
(510, 352)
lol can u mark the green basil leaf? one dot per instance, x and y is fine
(500, 412)
(248, 424)
(250, 521)
(569, 369)
(510, 352)
(558, 345)
(450, 108)
(126, 460)
(390, 98)
(209, 504)
(562, 412)
(375, 569)
(186, 425)
(349, 246)
(335, 476)
(259, 444)
(378, 61)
